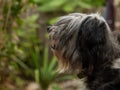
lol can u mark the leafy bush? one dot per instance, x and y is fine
(66, 5)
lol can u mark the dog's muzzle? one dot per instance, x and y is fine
(49, 29)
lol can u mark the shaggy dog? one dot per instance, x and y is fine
(84, 45)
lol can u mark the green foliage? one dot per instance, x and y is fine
(48, 72)
(22, 51)
(66, 5)
(10, 11)
(14, 8)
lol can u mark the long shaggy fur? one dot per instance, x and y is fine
(84, 45)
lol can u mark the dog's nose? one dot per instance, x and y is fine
(48, 29)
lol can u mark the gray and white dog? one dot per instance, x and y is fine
(84, 45)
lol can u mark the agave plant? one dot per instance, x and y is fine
(47, 73)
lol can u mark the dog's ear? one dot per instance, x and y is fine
(92, 38)
(92, 32)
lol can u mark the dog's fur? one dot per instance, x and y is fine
(84, 45)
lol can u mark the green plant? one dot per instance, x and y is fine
(66, 5)
(47, 72)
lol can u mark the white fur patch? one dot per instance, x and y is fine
(82, 84)
(116, 63)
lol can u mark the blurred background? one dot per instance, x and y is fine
(26, 62)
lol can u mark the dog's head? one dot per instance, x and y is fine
(79, 41)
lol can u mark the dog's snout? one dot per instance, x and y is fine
(48, 29)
